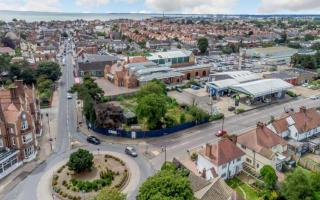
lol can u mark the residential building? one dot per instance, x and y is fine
(221, 159)
(262, 147)
(20, 123)
(298, 126)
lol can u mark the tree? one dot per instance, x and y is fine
(152, 108)
(14, 71)
(269, 176)
(5, 60)
(297, 186)
(309, 37)
(51, 69)
(168, 184)
(8, 42)
(80, 161)
(203, 44)
(152, 87)
(109, 194)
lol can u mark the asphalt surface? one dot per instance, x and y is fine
(66, 131)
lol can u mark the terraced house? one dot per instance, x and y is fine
(20, 123)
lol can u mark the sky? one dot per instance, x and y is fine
(167, 6)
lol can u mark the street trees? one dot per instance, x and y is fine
(51, 69)
(80, 161)
(203, 44)
(169, 183)
(110, 194)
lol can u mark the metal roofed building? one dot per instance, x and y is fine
(173, 58)
(264, 87)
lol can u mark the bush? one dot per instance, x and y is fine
(240, 110)
(291, 94)
(216, 117)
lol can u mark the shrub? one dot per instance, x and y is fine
(240, 110)
(291, 94)
(217, 116)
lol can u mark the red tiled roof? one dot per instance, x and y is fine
(223, 152)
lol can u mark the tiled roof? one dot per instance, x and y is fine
(223, 152)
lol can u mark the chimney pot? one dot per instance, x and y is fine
(208, 150)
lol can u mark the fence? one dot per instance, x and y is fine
(146, 134)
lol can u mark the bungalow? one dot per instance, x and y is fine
(223, 159)
(298, 126)
(262, 147)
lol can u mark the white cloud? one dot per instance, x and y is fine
(91, 3)
(273, 6)
(30, 5)
(192, 6)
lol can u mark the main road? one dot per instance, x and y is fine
(67, 131)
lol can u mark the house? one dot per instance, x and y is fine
(298, 126)
(7, 50)
(221, 159)
(20, 123)
(262, 147)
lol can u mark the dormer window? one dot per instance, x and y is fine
(24, 121)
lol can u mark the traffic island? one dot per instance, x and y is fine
(78, 179)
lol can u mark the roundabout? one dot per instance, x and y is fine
(59, 182)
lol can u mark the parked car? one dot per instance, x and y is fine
(305, 85)
(179, 89)
(195, 87)
(314, 97)
(93, 140)
(131, 151)
(221, 133)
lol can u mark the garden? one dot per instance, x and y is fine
(86, 175)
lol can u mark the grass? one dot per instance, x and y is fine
(176, 112)
(236, 184)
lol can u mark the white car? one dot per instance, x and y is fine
(314, 97)
(69, 96)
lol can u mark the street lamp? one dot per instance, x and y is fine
(50, 138)
(164, 149)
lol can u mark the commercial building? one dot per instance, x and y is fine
(20, 123)
(173, 58)
(93, 64)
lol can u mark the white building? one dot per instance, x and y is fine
(221, 159)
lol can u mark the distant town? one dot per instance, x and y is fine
(213, 107)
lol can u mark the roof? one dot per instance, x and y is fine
(280, 75)
(169, 54)
(6, 50)
(181, 69)
(262, 87)
(222, 152)
(306, 119)
(217, 190)
(223, 84)
(281, 51)
(89, 58)
(239, 76)
(261, 140)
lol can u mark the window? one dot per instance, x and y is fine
(238, 159)
(28, 152)
(258, 165)
(24, 121)
(27, 138)
(243, 146)
(11, 131)
(248, 160)
(13, 141)
(223, 175)
(224, 166)
(1, 143)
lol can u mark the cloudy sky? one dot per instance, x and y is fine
(168, 6)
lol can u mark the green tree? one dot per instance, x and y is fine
(309, 37)
(152, 87)
(80, 161)
(297, 186)
(203, 44)
(168, 184)
(110, 194)
(51, 69)
(152, 108)
(28, 76)
(269, 176)
(14, 71)
(5, 60)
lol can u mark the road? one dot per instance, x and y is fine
(66, 131)
(237, 124)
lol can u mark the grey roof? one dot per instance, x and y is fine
(89, 58)
(159, 75)
(181, 69)
(279, 75)
(262, 87)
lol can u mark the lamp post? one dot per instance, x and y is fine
(164, 149)
(50, 138)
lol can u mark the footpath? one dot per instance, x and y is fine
(45, 147)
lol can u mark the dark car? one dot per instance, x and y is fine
(179, 89)
(131, 151)
(93, 140)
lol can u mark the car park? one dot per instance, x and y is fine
(93, 140)
(131, 151)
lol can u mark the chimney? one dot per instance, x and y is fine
(260, 125)
(303, 109)
(208, 150)
(19, 87)
(233, 138)
(13, 91)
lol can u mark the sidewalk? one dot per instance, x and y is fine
(26, 169)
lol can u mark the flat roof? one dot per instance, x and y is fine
(262, 87)
(239, 76)
(169, 54)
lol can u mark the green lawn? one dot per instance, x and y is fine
(237, 185)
